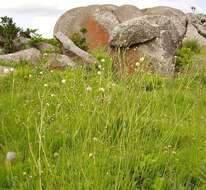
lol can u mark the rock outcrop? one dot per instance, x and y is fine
(132, 32)
(154, 32)
(31, 55)
(70, 46)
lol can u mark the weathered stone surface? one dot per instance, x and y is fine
(160, 53)
(164, 11)
(174, 25)
(58, 61)
(197, 27)
(4, 70)
(135, 31)
(74, 19)
(192, 34)
(99, 21)
(45, 47)
(31, 55)
(127, 12)
(69, 45)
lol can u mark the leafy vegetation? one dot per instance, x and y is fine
(186, 52)
(79, 39)
(8, 32)
(86, 129)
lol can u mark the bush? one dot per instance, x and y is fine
(193, 45)
(79, 39)
(8, 32)
(183, 57)
(35, 40)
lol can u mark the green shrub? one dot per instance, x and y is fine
(8, 32)
(79, 39)
(28, 33)
(35, 40)
(193, 45)
(183, 57)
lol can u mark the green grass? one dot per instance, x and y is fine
(143, 132)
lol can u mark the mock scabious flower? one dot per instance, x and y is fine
(10, 156)
(99, 72)
(101, 89)
(91, 155)
(142, 59)
(137, 64)
(89, 89)
(102, 60)
(63, 81)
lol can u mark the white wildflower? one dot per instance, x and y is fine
(41, 72)
(137, 64)
(142, 59)
(95, 139)
(99, 73)
(99, 66)
(24, 173)
(63, 81)
(47, 104)
(12, 69)
(56, 154)
(101, 89)
(30, 75)
(102, 60)
(52, 95)
(89, 88)
(6, 71)
(10, 156)
(91, 155)
(45, 85)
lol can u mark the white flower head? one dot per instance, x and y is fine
(94, 138)
(101, 89)
(6, 71)
(89, 89)
(142, 59)
(41, 72)
(63, 81)
(10, 156)
(99, 73)
(30, 75)
(102, 60)
(91, 155)
(52, 95)
(45, 85)
(137, 64)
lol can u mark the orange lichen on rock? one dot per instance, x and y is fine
(97, 36)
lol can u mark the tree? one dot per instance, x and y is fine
(8, 32)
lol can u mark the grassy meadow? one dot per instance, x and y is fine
(85, 129)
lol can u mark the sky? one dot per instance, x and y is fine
(43, 14)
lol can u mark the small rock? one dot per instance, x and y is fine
(58, 61)
(31, 55)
